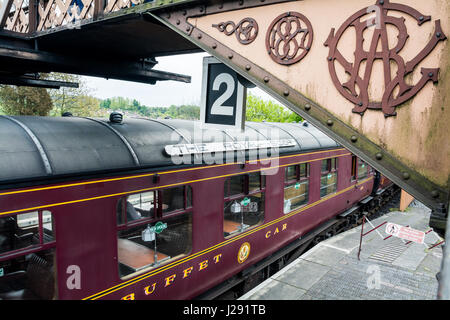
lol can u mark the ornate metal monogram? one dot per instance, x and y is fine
(289, 38)
(245, 31)
(359, 79)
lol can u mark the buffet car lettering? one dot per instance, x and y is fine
(276, 231)
(170, 279)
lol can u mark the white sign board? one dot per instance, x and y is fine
(406, 233)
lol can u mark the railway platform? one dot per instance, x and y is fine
(387, 269)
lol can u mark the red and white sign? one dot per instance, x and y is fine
(405, 232)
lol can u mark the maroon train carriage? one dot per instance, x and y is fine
(97, 209)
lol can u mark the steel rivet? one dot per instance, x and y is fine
(329, 122)
(201, 9)
(354, 138)
(248, 67)
(405, 175)
(199, 36)
(379, 156)
(184, 12)
(421, 18)
(434, 193)
(430, 74)
(188, 29)
(266, 79)
(360, 104)
(438, 34)
(307, 107)
(178, 22)
(230, 56)
(241, 2)
(330, 58)
(381, 2)
(220, 6)
(214, 45)
(286, 93)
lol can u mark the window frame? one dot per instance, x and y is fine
(159, 214)
(158, 217)
(246, 193)
(331, 168)
(42, 245)
(298, 179)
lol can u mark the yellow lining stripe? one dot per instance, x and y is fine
(159, 173)
(217, 246)
(158, 187)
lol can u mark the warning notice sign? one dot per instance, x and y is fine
(405, 232)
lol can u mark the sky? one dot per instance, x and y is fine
(163, 93)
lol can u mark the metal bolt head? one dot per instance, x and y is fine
(330, 122)
(248, 67)
(438, 34)
(230, 56)
(434, 194)
(354, 138)
(286, 93)
(199, 36)
(266, 79)
(405, 175)
(430, 74)
(307, 107)
(379, 156)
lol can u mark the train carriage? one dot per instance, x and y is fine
(162, 209)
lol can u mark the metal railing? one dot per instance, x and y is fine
(29, 16)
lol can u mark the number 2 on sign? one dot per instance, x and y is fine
(217, 107)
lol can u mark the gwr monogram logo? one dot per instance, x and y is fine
(387, 54)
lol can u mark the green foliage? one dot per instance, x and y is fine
(132, 106)
(25, 101)
(259, 110)
(74, 100)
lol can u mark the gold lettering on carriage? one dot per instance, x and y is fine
(170, 279)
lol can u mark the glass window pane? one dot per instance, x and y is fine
(189, 197)
(137, 206)
(291, 173)
(48, 226)
(328, 183)
(234, 185)
(242, 213)
(137, 245)
(303, 170)
(295, 195)
(254, 181)
(173, 199)
(362, 169)
(19, 231)
(325, 166)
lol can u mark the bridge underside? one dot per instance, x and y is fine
(122, 48)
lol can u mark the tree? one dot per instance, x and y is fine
(259, 110)
(74, 100)
(25, 100)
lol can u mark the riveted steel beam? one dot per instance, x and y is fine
(426, 191)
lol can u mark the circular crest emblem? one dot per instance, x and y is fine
(244, 252)
(289, 38)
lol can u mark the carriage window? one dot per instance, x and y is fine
(244, 209)
(25, 230)
(162, 234)
(354, 161)
(295, 187)
(136, 207)
(26, 256)
(328, 179)
(234, 186)
(362, 170)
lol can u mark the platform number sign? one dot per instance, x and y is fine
(223, 96)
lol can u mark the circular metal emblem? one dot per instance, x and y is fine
(289, 38)
(244, 252)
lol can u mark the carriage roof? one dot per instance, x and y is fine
(44, 147)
